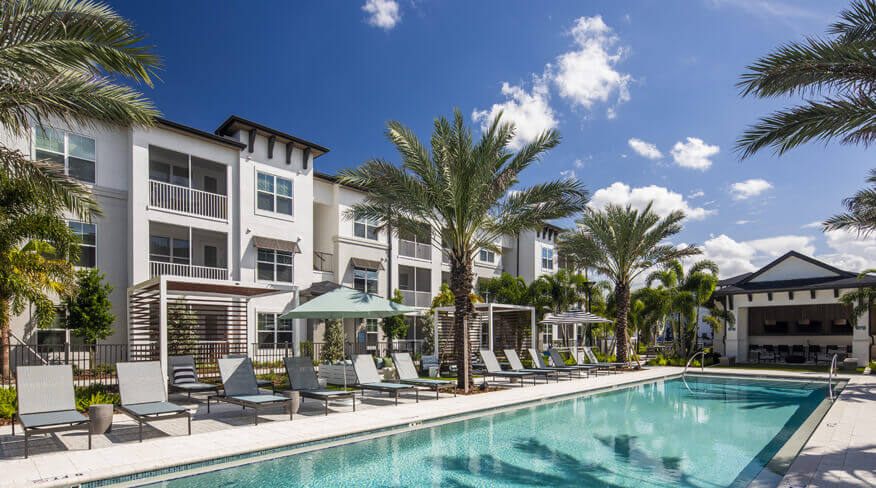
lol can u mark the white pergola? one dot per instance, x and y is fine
(490, 309)
(574, 318)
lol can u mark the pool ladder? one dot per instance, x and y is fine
(686, 366)
(830, 374)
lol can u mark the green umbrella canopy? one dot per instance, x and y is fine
(344, 303)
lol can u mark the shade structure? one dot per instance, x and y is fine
(574, 317)
(346, 303)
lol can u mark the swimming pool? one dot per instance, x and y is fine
(720, 432)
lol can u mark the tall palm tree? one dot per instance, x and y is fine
(558, 293)
(58, 59)
(861, 211)
(622, 243)
(840, 69)
(460, 190)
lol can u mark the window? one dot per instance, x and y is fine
(75, 153)
(168, 250)
(88, 246)
(274, 330)
(487, 256)
(365, 280)
(371, 333)
(275, 265)
(211, 259)
(547, 335)
(366, 229)
(547, 258)
(57, 334)
(274, 194)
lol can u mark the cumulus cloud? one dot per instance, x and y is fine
(697, 194)
(732, 257)
(665, 201)
(850, 251)
(812, 225)
(382, 13)
(694, 154)
(774, 247)
(645, 149)
(749, 188)
(587, 74)
(569, 174)
(742, 222)
(530, 112)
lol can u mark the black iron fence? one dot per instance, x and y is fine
(91, 364)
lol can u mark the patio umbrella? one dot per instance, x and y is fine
(574, 317)
(347, 303)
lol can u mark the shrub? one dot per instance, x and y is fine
(105, 369)
(8, 402)
(94, 394)
(306, 349)
(333, 348)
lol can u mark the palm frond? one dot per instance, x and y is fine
(858, 23)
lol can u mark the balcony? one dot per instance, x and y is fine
(187, 200)
(159, 268)
(414, 249)
(411, 298)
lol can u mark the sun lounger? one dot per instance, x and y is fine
(593, 361)
(46, 403)
(239, 384)
(302, 379)
(367, 378)
(141, 388)
(407, 374)
(495, 371)
(266, 384)
(184, 376)
(557, 359)
(538, 361)
(517, 365)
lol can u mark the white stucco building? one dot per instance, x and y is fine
(243, 206)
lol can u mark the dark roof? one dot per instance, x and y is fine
(319, 288)
(743, 283)
(200, 133)
(228, 127)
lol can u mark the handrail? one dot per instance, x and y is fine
(44, 361)
(702, 367)
(830, 373)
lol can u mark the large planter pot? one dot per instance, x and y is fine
(101, 416)
(296, 400)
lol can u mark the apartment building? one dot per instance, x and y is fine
(244, 205)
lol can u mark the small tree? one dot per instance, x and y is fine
(395, 326)
(428, 321)
(89, 310)
(182, 337)
(333, 349)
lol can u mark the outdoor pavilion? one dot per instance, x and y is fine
(492, 326)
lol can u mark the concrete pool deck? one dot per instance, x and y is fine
(841, 452)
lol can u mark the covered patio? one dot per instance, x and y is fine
(493, 326)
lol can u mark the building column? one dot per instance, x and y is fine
(162, 323)
(490, 323)
(533, 328)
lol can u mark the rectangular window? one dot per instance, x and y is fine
(274, 331)
(88, 246)
(547, 258)
(75, 153)
(166, 250)
(366, 229)
(365, 280)
(274, 194)
(371, 328)
(211, 259)
(275, 265)
(487, 256)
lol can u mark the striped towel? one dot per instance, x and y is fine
(183, 375)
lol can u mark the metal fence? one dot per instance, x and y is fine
(91, 364)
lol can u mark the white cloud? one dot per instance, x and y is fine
(569, 173)
(749, 188)
(733, 258)
(665, 201)
(851, 252)
(587, 74)
(697, 194)
(742, 222)
(694, 154)
(579, 163)
(383, 13)
(812, 225)
(530, 112)
(774, 247)
(645, 149)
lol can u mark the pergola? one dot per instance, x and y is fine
(170, 315)
(502, 325)
(574, 318)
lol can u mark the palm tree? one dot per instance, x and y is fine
(460, 191)
(622, 243)
(505, 289)
(558, 293)
(57, 63)
(861, 215)
(841, 69)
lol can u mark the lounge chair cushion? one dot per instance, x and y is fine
(387, 386)
(154, 408)
(183, 375)
(195, 386)
(260, 398)
(51, 418)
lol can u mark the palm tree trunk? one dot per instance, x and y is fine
(622, 299)
(5, 320)
(460, 284)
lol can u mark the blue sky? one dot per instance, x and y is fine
(643, 94)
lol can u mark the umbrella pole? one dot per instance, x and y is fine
(344, 359)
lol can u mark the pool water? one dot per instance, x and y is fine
(720, 432)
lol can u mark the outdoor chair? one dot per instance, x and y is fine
(428, 361)
(768, 354)
(266, 384)
(784, 351)
(517, 365)
(539, 362)
(144, 398)
(240, 387)
(46, 402)
(608, 367)
(493, 370)
(184, 376)
(407, 374)
(814, 351)
(557, 359)
(367, 378)
(302, 378)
